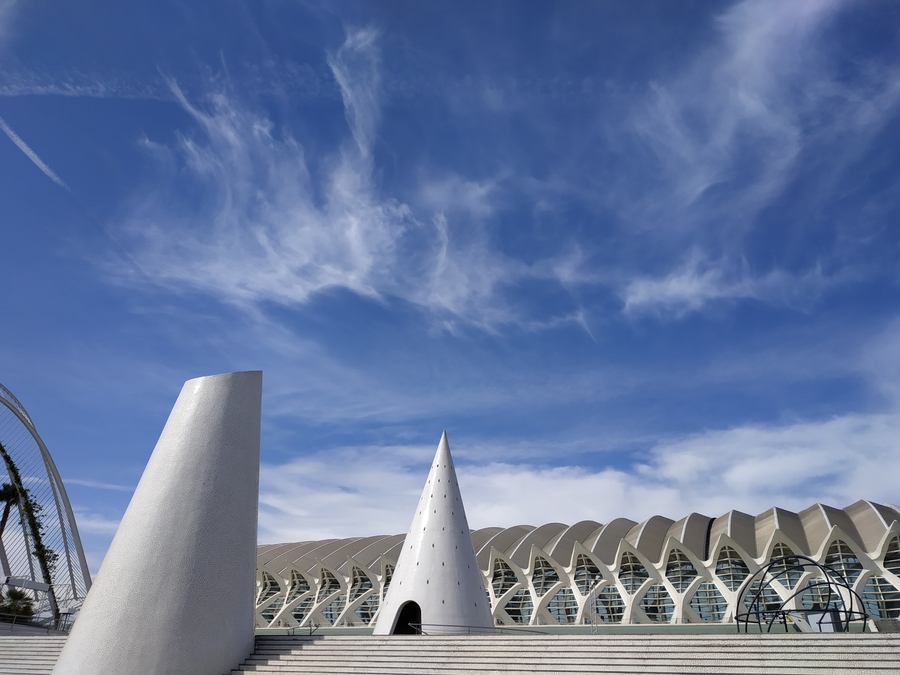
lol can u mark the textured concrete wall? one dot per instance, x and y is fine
(437, 567)
(175, 592)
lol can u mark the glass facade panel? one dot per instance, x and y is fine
(334, 608)
(563, 606)
(268, 614)
(786, 572)
(680, 570)
(818, 595)
(504, 578)
(328, 584)
(609, 606)
(359, 583)
(520, 607)
(543, 577)
(268, 590)
(367, 608)
(892, 557)
(388, 575)
(299, 586)
(881, 598)
(843, 560)
(632, 573)
(731, 568)
(769, 601)
(709, 603)
(657, 604)
(586, 574)
(301, 610)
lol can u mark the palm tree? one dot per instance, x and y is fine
(17, 603)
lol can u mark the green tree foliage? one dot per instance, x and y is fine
(16, 603)
(30, 512)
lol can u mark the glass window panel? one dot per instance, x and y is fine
(334, 608)
(504, 578)
(769, 601)
(268, 589)
(388, 575)
(268, 614)
(731, 568)
(608, 606)
(632, 573)
(819, 595)
(302, 609)
(657, 604)
(299, 586)
(680, 570)
(788, 571)
(543, 577)
(563, 606)
(586, 574)
(359, 583)
(328, 585)
(520, 607)
(844, 561)
(367, 608)
(709, 603)
(881, 598)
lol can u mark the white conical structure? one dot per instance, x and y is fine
(175, 592)
(437, 579)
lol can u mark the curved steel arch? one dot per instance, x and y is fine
(70, 578)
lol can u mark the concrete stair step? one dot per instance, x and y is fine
(558, 654)
(29, 654)
(745, 668)
(585, 649)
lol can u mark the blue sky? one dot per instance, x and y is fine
(636, 258)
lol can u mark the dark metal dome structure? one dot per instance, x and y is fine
(40, 550)
(828, 603)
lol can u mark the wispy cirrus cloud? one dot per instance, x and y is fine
(730, 135)
(32, 155)
(100, 485)
(699, 282)
(356, 68)
(277, 226)
(733, 116)
(7, 10)
(95, 524)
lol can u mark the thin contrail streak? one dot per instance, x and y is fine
(32, 155)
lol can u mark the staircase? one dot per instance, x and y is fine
(807, 654)
(29, 654)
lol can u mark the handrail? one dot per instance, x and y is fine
(311, 627)
(469, 630)
(8, 622)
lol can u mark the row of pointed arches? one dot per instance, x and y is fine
(679, 588)
(321, 597)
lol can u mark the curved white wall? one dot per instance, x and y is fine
(174, 594)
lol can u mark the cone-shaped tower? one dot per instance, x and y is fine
(174, 594)
(437, 581)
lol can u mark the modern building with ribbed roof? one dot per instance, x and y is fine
(659, 571)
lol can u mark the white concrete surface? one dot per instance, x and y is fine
(437, 567)
(175, 592)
